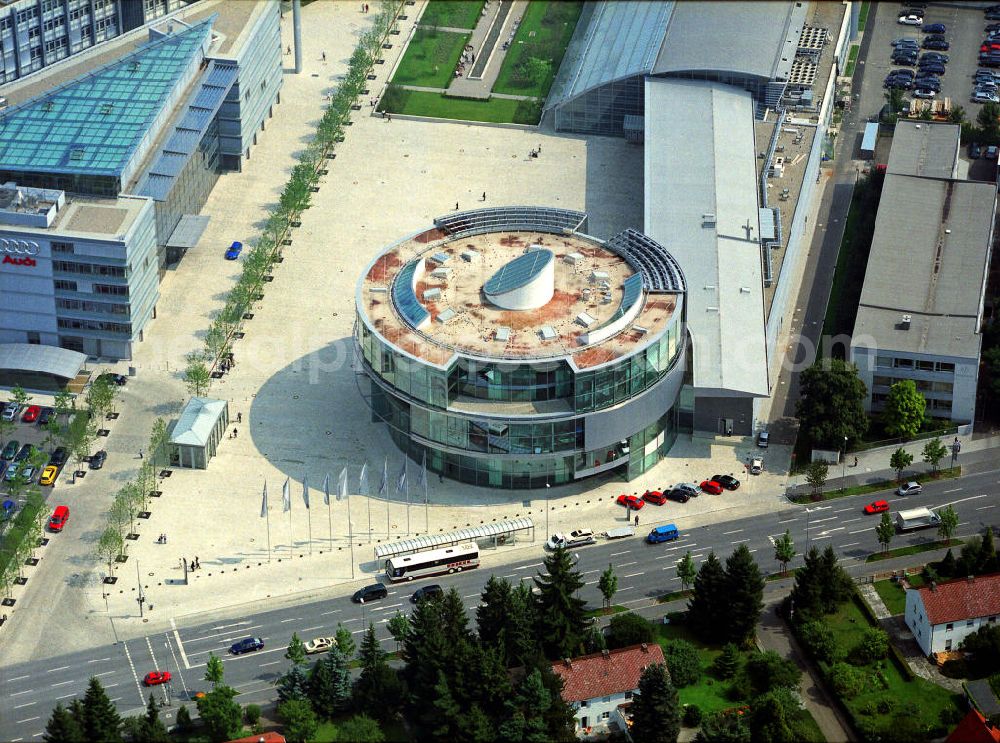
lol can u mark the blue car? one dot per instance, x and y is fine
(234, 251)
(667, 533)
(9, 507)
(246, 645)
(934, 28)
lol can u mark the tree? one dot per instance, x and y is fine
(329, 685)
(184, 719)
(957, 115)
(158, 439)
(101, 720)
(987, 553)
(5, 428)
(847, 680)
(220, 714)
(836, 585)
(900, 460)
(292, 684)
(109, 546)
(683, 662)
(656, 710)
(772, 718)
(983, 646)
(345, 641)
(300, 723)
(62, 727)
(377, 688)
(399, 628)
(934, 452)
(744, 595)
(608, 584)
(948, 524)
(19, 396)
(818, 639)
(214, 670)
(988, 121)
(296, 651)
(766, 671)
(561, 615)
(885, 531)
(874, 645)
(360, 729)
(80, 436)
(949, 566)
(122, 513)
(725, 727)
(707, 607)
(149, 727)
(816, 474)
(903, 414)
(100, 397)
(831, 404)
(728, 663)
(686, 570)
(784, 550)
(629, 629)
(196, 375)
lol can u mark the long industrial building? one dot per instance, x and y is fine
(107, 160)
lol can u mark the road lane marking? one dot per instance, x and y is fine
(992, 505)
(859, 531)
(512, 575)
(472, 596)
(633, 575)
(741, 540)
(30, 719)
(105, 673)
(787, 521)
(961, 500)
(26, 691)
(844, 546)
(312, 629)
(66, 696)
(616, 554)
(112, 686)
(627, 588)
(53, 670)
(19, 678)
(98, 660)
(850, 521)
(626, 564)
(272, 663)
(335, 611)
(828, 518)
(63, 683)
(292, 619)
(26, 704)
(734, 531)
(753, 550)
(953, 490)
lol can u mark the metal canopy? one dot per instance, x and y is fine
(188, 231)
(417, 544)
(30, 357)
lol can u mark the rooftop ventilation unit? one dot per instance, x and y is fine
(574, 258)
(501, 334)
(441, 257)
(708, 220)
(379, 289)
(907, 319)
(585, 320)
(547, 332)
(470, 256)
(445, 315)
(434, 293)
(76, 153)
(107, 108)
(441, 273)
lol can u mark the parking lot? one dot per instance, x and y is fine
(965, 26)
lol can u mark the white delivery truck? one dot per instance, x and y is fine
(916, 518)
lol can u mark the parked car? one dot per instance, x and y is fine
(369, 593)
(320, 645)
(233, 251)
(24, 453)
(246, 645)
(7, 510)
(118, 379)
(31, 413)
(930, 67)
(938, 44)
(427, 592)
(45, 416)
(49, 475)
(678, 496)
(986, 97)
(97, 460)
(763, 439)
(711, 486)
(687, 488)
(924, 93)
(936, 56)
(28, 472)
(911, 20)
(910, 488)
(878, 506)
(655, 497)
(10, 411)
(59, 518)
(11, 472)
(934, 28)
(975, 151)
(10, 449)
(992, 14)
(155, 678)
(991, 151)
(633, 502)
(576, 538)
(727, 481)
(991, 28)
(756, 466)
(58, 457)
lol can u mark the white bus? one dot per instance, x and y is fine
(433, 562)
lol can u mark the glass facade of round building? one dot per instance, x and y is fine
(585, 384)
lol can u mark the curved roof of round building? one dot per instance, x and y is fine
(429, 295)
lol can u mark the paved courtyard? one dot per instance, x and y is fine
(302, 401)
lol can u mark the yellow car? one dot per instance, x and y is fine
(49, 475)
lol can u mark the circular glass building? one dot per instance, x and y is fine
(511, 349)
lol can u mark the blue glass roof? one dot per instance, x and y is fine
(518, 272)
(93, 125)
(405, 299)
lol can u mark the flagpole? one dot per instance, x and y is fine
(286, 496)
(329, 513)
(385, 479)
(350, 534)
(406, 484)
(305, 493)
(267, 517)
(423, 474)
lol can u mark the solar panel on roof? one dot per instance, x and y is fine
(404, 298)
(518, 272)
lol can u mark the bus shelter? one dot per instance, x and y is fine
(497, 532)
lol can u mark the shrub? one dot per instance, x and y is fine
(683, 662)
(629, 629)
(886, 705)
(817, 638)
(874, 646)
(251, 713)
(184, 719)
(727, 664)
(847, 681)
(692, 716)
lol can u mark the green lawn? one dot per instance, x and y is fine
(944, 474)
(710, 692)
(452, 13)
(913, 549)
(543, 36)
(892, 594)
(922, 699)
(395, 731)
(852, 60)
(430, 58)
(863, 15)
(437, 105)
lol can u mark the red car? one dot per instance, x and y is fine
(155, 678)
(711, 486)
(632, 501)
(655, 497)
(879, 506)
(31, 414)
(59, 518)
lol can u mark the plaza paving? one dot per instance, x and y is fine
(301, 399)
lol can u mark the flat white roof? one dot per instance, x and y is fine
(701, 205)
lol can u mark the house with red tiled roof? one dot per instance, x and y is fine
(974, 728)
(600, 686)
(942, 615)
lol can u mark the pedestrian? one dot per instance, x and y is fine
(388, 116)
(140, 454)
(197, 563)
(484, 196)
(473, 59)
(440, 477)
(324, 56)
(236, 434)
(855, 461)
(637, 519)
(239, 417)
(288, 50)
(539, 150)
(456, 206)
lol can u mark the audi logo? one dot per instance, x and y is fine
(19, 247)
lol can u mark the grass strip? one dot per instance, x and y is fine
(430, 58)
(913, 549)
(948, 473)
(863, 15)
(538, 47)
(452, 13)
(439, 106)
(852, 60)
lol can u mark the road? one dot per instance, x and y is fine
(29, 691)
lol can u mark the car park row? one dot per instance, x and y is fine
(986, 82)
(925, 81)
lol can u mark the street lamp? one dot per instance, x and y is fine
(843, 470)
(809, 511)
(548, 488)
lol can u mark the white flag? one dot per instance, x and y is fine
(286, 496)
(305, 489)
(363, 480)
(342, 493)
(401, 478)
(422, 477)
(383, 488)
(263, 502)
(326, 489)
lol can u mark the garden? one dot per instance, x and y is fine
(430, 58)
(452, 13)
(533, 60)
